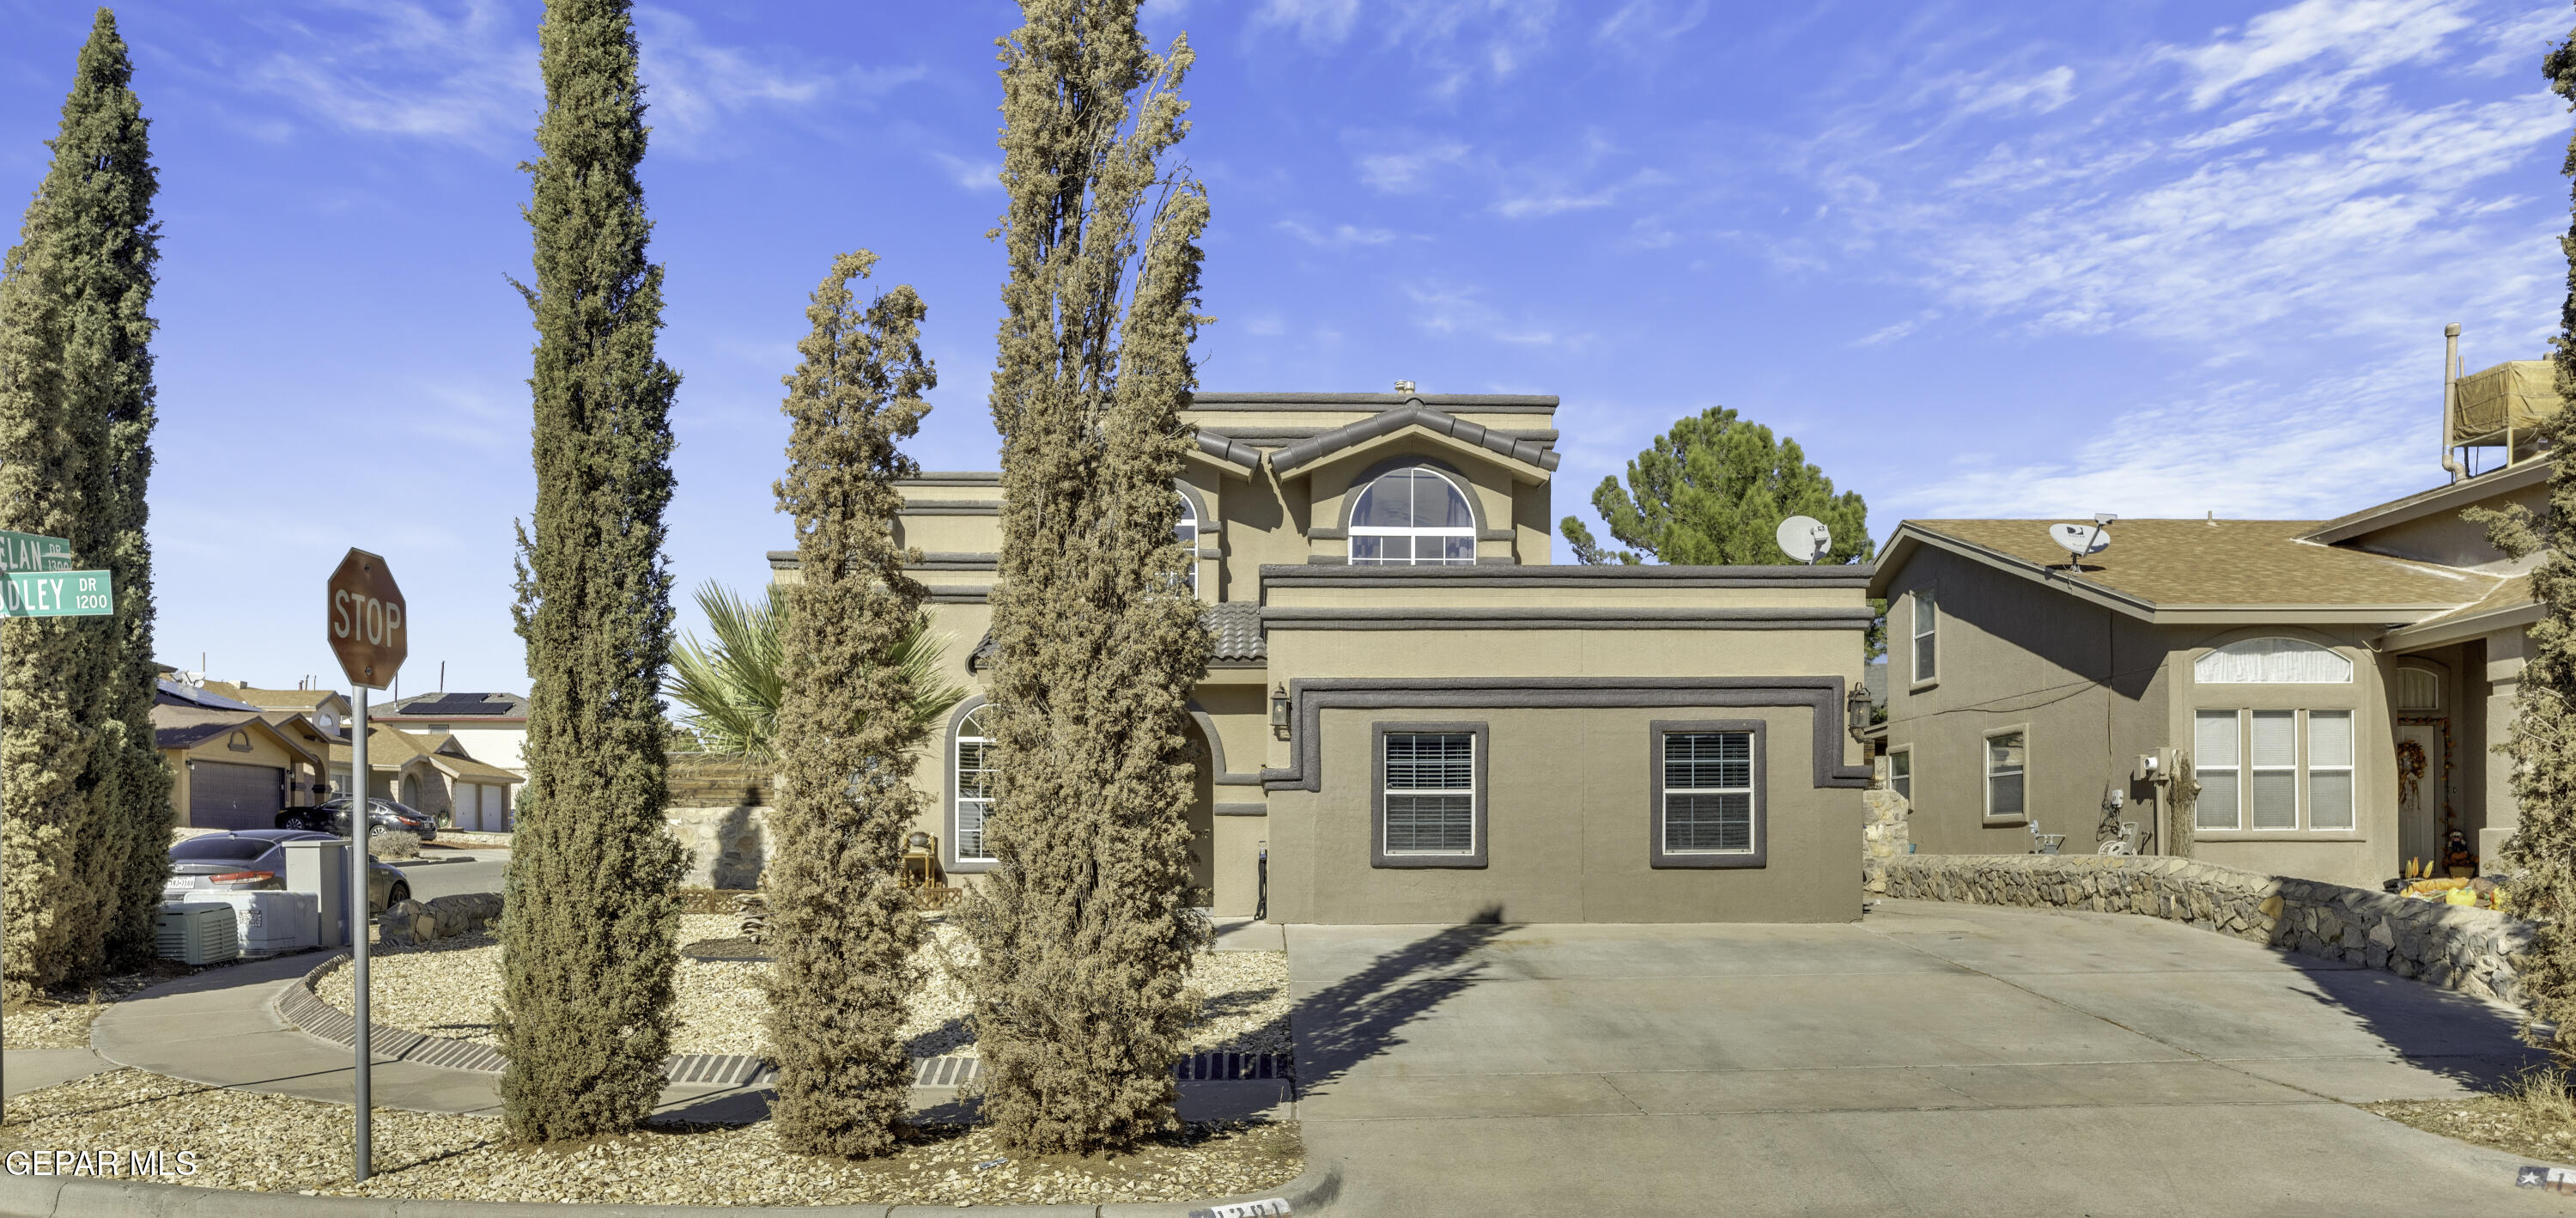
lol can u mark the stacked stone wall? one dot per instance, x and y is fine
(1884, 834)
(2452, 946)
(718, 780)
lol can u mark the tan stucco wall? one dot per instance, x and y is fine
(2443, 537)
(1567, 822)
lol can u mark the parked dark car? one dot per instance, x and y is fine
(251, 859)
(383, 815)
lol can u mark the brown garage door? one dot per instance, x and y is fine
(223, 795)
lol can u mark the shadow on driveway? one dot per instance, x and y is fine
(1364, 1014)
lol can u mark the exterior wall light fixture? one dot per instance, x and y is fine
(1856, 704)
(1279, 711)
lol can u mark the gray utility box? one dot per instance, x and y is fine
(197, 933)
(321, 866)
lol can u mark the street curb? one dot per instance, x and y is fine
(296, 1004)
(51, 1196)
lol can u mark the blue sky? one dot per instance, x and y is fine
(2003, 258)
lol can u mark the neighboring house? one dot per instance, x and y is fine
(2338, 686)
(492, 727)
(433, 774)
(231, 767)
(327, 709)
(1417, 719)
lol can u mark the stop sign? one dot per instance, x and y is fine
(368, 630)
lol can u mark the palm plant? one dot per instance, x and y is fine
(731, 685)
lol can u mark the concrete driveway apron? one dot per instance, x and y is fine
(1931, 1059)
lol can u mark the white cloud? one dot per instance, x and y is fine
(1407, 170)
(467, 73)
(1645, 25)
(1451, 309)
(971, 173)
(1341, 236)
(2366, 35)
(1318, 22)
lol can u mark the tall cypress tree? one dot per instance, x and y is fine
(87, 819)
(1083, 929)
(844, 929)
(587, 952)
(2542, 744)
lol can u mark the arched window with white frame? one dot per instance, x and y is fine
(1187, 532)
(2272, 661)
(1410, 517)
(974, 788)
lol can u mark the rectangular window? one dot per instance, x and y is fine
(2330, 769)
(1900, 773)
(2272, 777)
(2007, 760)
(2215, 767)
(1430, 794)
(974, 796)
(1926, 623)
(1708, 793)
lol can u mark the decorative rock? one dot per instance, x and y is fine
(409, 923)
(2457, 947)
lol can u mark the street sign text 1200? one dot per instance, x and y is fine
(57, 594)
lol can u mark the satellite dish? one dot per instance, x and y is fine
(2079, 540)
(1804, 539)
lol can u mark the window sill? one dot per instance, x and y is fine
(2002, 822)
(1401, 861)
(1919, 686)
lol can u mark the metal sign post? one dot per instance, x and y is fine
(51, 590)
(370, 635)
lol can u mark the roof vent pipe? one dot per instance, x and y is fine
(1404, 387)
(2451, 397)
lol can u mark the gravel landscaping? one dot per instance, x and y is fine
(449, 989)
(265, 1143)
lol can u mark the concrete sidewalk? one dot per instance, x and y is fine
(221, 1027)
(25, 1070)
(1934, 1059)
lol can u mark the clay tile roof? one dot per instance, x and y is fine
(2172, 563)
(1236, 624)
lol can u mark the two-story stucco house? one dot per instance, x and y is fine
(2336, 686)
(1413, 717)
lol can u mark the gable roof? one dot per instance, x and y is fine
(176, 726)
(167, 692)
(2448, 497)
(1439, 422)
(2206, 570)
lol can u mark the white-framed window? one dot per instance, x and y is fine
(1413, 517)
(2272, 661)
(1430, 795)
(2274, 770)
(1927, 624)
(2007, 773)
(2330, 770)
(1900, 772)
(1708, 793)
(2215, 765)
(974, 787)
(2419, 689)
(1187, 531)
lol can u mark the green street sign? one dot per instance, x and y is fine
(33, 552)
(56, 594)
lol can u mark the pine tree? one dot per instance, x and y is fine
(843, 928)
(1711, 492)
(87, 820)
(588, 953)
(2542, 742)
(1083, 930)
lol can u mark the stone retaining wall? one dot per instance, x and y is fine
(439, 918)
(2452, 946)
(727, 847)
(717, 780)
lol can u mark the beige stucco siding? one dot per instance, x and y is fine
(1568, 828)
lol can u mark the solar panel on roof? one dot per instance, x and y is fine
(475, 708)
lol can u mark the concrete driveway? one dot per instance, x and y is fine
(1932, 1059)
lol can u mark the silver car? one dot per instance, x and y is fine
(251, 859)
